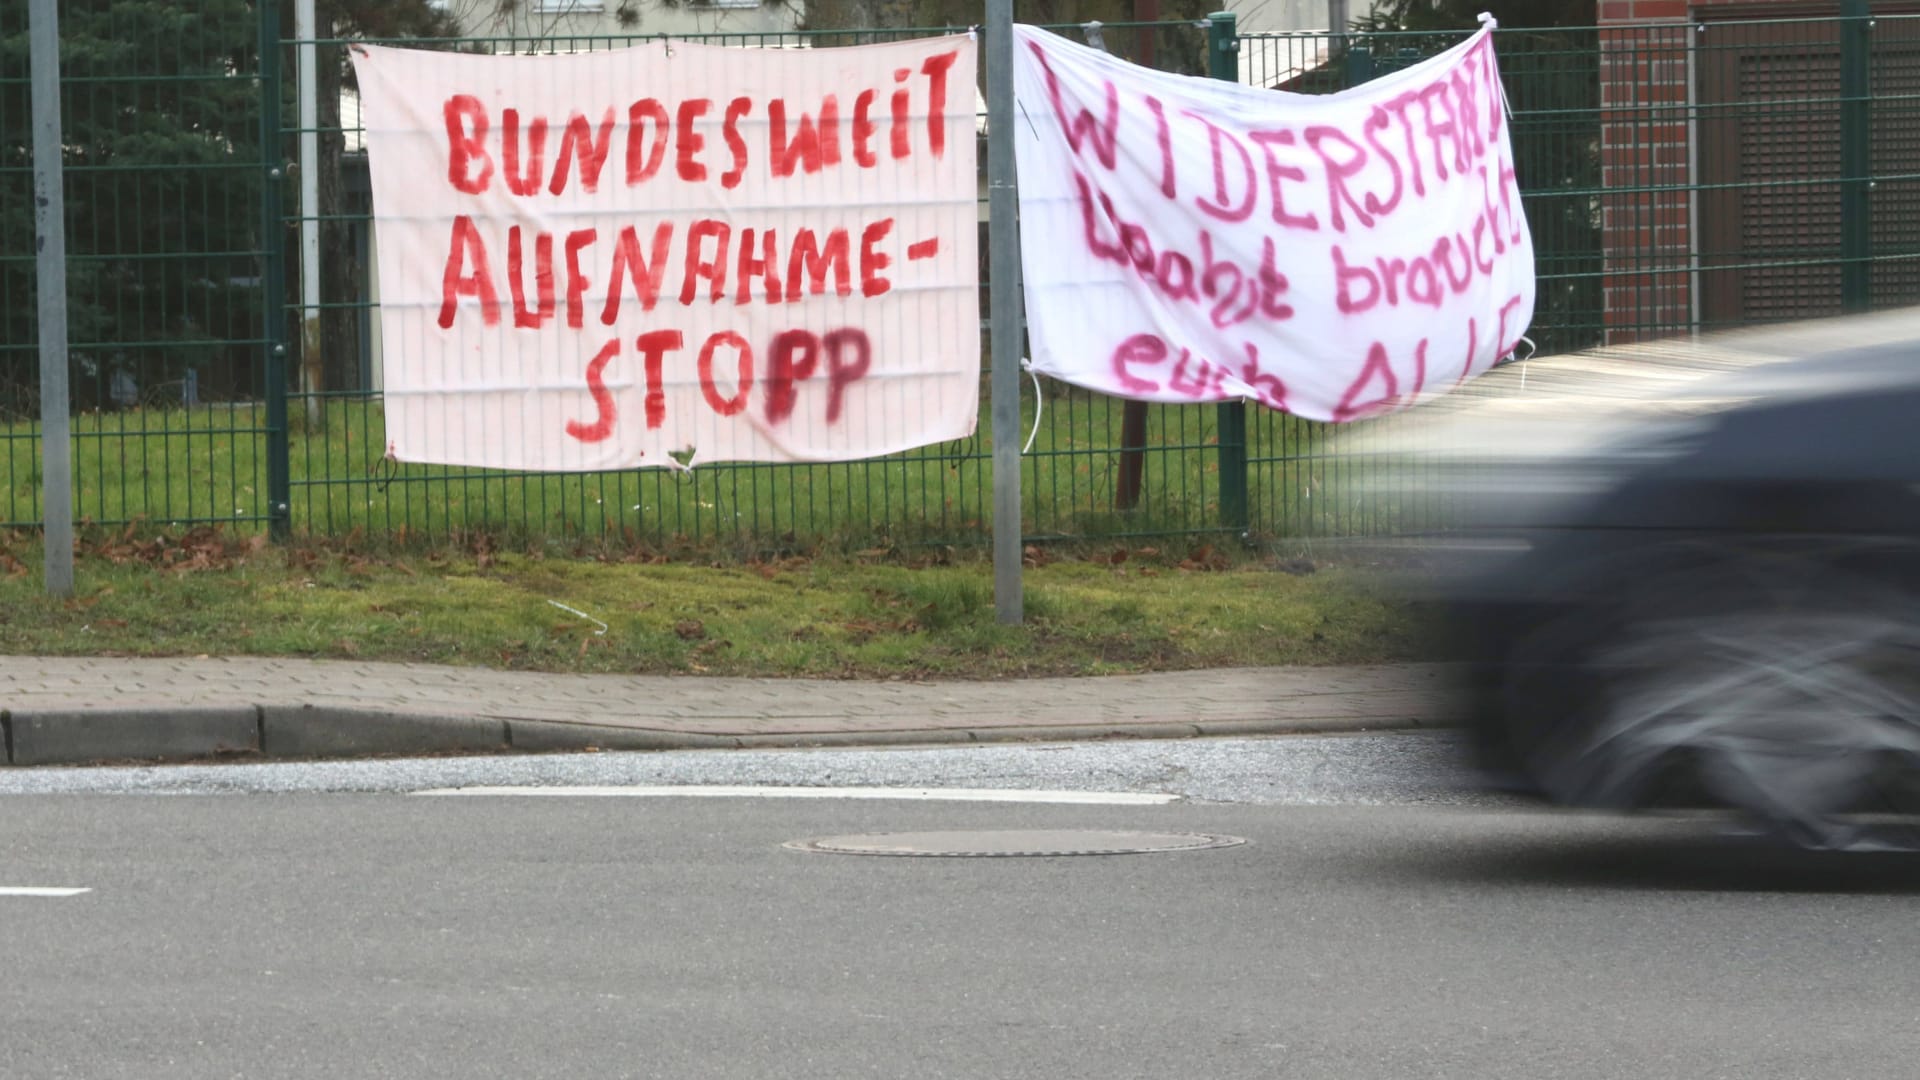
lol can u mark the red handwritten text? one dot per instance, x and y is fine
(1427, 134)
(802, 138)
(709, 262)
(793, 356)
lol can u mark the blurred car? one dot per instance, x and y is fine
(1690, 577)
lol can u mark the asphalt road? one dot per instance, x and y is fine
(1397, 930)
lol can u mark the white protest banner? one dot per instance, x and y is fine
(600, 260)
(1335, 256)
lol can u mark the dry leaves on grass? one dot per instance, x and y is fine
(940, 556)
(861, 631)
(1206, 559)
(81, 603)
(772, 568)
(205, 547)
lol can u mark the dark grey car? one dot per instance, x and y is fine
(1703, 590)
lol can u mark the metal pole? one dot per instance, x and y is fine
(273, 276)
(1223, 62)
(1856, 160)
(50, 244)
(304, 29)
(1006, 313)
(1337, 16)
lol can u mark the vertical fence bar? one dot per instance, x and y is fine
(50, 244)
(1006, 311)
(273, 277)
(1856, 224)
(1223, 62)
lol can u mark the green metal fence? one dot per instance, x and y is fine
(1675, 177)
(164, 183)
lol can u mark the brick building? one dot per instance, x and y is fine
(1729, 193)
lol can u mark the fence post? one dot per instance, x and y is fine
(1856, 161)
(1006, 312)
(50, 243)
(1223, 62)
(273, 276)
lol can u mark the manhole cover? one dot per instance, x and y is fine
(1032, 843)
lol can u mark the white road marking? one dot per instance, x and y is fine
(37, 890)
(710, 791)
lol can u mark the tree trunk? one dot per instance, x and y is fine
(340, 272)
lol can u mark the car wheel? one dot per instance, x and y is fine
(1777, 678)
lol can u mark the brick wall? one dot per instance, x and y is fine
(1647, 218)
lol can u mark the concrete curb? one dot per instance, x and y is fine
(304, 732)
(69, 736)
(545, 736)
(1078, 733)
(308, 731)
(1331, 725)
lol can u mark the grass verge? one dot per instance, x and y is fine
(1105, 611)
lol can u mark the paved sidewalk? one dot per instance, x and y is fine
(88, 709)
